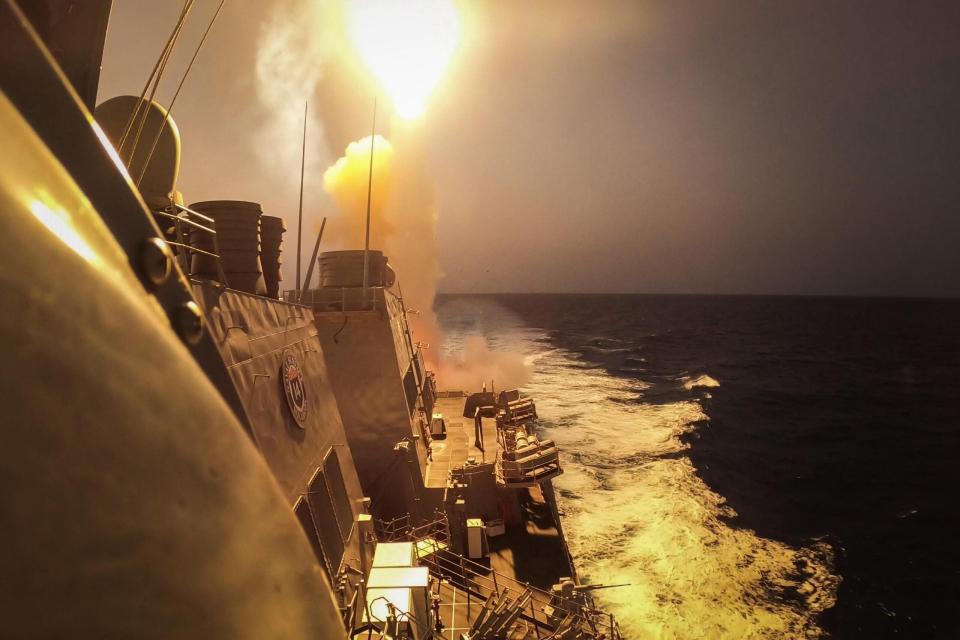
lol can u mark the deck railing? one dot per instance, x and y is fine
(403, 529)
(335, 298)
(186, 221)
(476, 580)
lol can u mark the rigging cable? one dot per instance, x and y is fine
(342, 327)
(173, 101)
(165, 58)
(135, 114)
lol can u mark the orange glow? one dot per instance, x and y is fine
(346, 181)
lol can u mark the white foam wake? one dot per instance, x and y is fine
(635, 511)
(704, 381)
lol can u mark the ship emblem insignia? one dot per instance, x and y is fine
(292, 376)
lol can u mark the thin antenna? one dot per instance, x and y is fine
(165, 58)
(143, 94)
(366, 245)
(173, 101)
(313, 262)
(303, 158)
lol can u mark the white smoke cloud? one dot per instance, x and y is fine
(297, 44)
(413, 245)
(403, 220)
(477, 365)
(291, 54)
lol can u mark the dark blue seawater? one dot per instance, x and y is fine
(789, 465)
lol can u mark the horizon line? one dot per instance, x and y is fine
(870, 296)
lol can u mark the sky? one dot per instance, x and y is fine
(647, 147)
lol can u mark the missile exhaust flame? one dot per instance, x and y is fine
(407, 46)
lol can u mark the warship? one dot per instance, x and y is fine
(191, 451)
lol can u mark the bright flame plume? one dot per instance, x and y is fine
(406, 45)
(346, 181)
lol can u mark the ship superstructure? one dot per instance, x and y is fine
(251, 466)
(462, 477)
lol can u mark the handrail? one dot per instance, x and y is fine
(191, 249)
(400, 528)
(190, 222)
(193, 213)
(179, 220)
(443, 561)
(505, 582)
(475, 578)
(349, 611)
(335, 298)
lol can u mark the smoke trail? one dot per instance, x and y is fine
(346, 182)
(291, 54)
(477, 365)
(413, 245)
(403, 226)
(402, 219)
(298, 45)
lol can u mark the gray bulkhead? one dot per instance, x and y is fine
(377, 380)
(309, 456)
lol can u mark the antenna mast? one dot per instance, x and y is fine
(366, 245)
(303, 157)
(313, 262)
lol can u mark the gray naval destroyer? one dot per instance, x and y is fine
(190, 451)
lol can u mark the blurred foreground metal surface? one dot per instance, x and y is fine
(133, 503)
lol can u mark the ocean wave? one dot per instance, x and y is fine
(582, 365)
(636, 511)
(701, 381)
(610, 350)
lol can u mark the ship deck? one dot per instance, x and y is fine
(458, 610)
(460, 442)
(531, 552)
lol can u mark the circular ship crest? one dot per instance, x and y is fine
(293, 386)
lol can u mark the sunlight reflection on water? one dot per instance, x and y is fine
(635, 511)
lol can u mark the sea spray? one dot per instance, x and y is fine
(290, 62)
(636, 511)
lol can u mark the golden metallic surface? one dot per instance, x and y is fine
(154, 161)
(133, 505)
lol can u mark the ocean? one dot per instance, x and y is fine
(753, 467)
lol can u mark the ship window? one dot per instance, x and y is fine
(338, 493)
(302, 511)
(325, 521)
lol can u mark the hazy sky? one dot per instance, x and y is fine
(701, 147)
